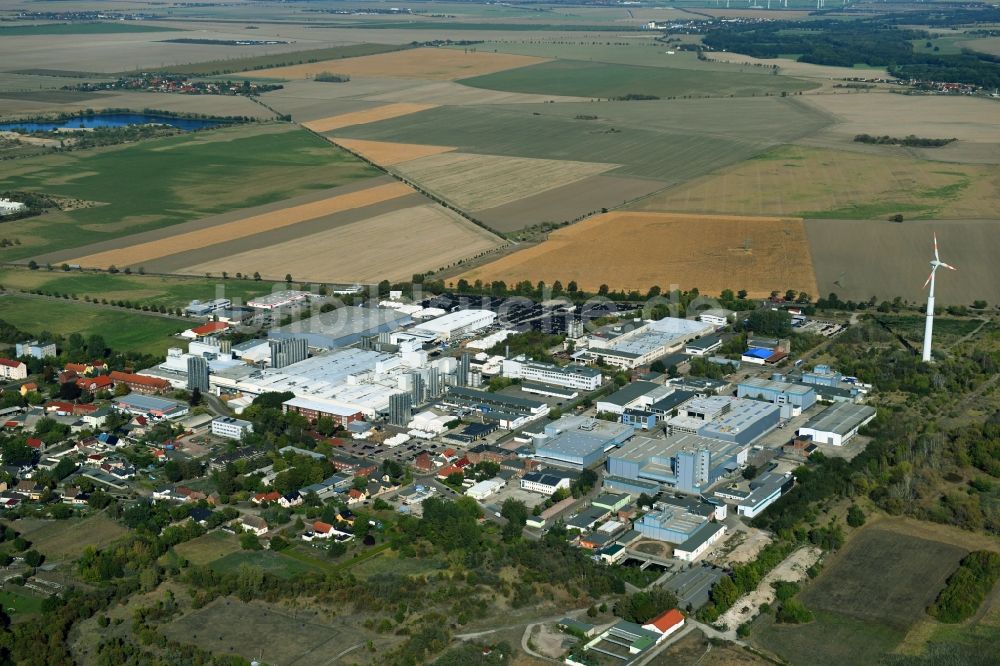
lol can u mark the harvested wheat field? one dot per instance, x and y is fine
(387, 153)
(817, 182)
(475, 182)
(366, 116)
(425, 63)
(138, 254)
(638, 250)
(411, 240)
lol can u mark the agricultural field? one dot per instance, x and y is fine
(143, 253)
(63, 29)
(171, 292)
(388, 154)
(474, 182)
(433, 64)
(259, 62)
(818, 182)
(608, 80)
(867, 597)
(850, 257)
(121, 329)
(670, 141)
(411, 240)
(146, 186)
(384, 112)
(639, 250)
(65, 540)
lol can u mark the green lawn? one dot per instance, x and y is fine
(122, 330)
(21, 603)
(147, 289)
(161, 182)
(598, 79)
(79, 29)
(208, 547)
(277, 564)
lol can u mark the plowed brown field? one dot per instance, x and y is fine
(639, 250)
(137, 254)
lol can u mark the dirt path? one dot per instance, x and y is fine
(793, 569)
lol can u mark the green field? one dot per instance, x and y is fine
(171, 292)
(160, 182)
(911, 327)
(277, 564)
(123, 330)
(17, 604)
(79, 29)
(865, 600)
(213, 67)
(65, 540)
(389, 562)
(606, 80)
(208, 547)
(668, 140)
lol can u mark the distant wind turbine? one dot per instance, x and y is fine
(936, 263)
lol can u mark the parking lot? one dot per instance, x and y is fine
(513, 491)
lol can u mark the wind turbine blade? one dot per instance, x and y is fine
(928, 279)
(948, 266)
(936, 248)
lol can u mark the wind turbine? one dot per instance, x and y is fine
(929, 326)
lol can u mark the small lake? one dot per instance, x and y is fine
(111, 120)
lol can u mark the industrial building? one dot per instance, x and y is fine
(150, 406)
(717, 317)
(400, 409)
(342, 327)
(317, 408)
(456, 325)
(286, 351)
(701, 386)
(509, 412)
(579, 441)
(837, 424)
(703, 346)
(735, 420)
(640, 395)
(484, 489)
(205, 308)
(686, 462)
(230, 428)
(9, 207)
(792, 398)
(278, 299)
(544, 483)
(197, 373)
(645, 343)
(753, 497)
(574, 375)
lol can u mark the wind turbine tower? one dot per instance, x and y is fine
(929, 326)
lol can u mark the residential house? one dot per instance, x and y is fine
(14, 370)
(266, 498)
(253, 524)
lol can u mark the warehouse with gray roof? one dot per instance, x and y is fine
(837, 424)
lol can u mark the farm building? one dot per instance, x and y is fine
(8, 207)
(837, 424)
